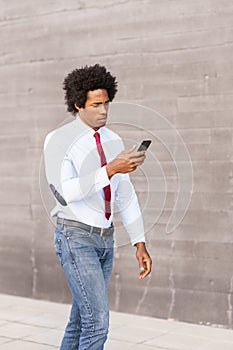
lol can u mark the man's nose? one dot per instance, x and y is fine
(103, 108)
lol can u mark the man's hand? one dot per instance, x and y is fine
(144, 260)
(126, 162)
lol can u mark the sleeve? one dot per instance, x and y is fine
(76, 187)
(128, 209)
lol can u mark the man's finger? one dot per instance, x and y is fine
(145, 267)
(129, 150)
(141, 267)
(148, 265)
(142, 273)
(137, 161)
(141, 263)
(136, 155)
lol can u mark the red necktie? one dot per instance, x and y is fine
(107, 190)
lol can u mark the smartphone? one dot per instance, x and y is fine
(144, 145)
(57, 195)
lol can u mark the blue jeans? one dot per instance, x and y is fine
(87, 262)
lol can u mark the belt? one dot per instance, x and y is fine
(92, 229)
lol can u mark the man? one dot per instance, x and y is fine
(87, 169)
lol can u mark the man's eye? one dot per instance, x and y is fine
(96, 105)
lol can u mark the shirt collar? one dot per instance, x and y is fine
(89, 132)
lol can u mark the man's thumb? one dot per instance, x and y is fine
(129, 150)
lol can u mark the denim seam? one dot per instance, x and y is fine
(83, 291)
(58, 249)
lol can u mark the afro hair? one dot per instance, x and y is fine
(88, 78)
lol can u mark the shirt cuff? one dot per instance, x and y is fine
(101, 178)
(138, 239)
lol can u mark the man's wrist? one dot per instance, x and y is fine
(110, 170)
(140, 244)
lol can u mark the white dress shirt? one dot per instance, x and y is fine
(82, 179)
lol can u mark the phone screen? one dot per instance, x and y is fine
(144, 145)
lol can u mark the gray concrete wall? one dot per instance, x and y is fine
(179, 55)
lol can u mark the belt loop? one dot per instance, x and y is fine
(62, 224)
(91, 231)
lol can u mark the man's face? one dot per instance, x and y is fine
(96, 108)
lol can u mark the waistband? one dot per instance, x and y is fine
(92, 229)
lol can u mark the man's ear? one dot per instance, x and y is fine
(76, 106)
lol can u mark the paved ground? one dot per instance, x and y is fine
(27, 324)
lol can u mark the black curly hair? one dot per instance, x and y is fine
(88, 78)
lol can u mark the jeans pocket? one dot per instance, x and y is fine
(74, 232)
